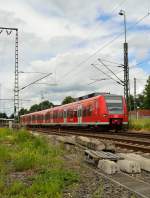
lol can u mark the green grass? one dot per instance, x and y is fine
(140, 124)
(40, 167)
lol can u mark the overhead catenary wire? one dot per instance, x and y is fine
(97, 80)
(106, 74)
(104, 46)
(110, 70)
(35, 81)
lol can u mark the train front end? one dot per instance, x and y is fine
(117, 111)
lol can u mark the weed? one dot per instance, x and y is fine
(140, 124)
(51, 182)
(35, 153)
(99, 192)
(16, 188)
(25, 160)
(4, 153)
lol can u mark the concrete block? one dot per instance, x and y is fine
(129, 166)
(70, 139)
(95, 144)
(82, 140)
(109, 167)
(109, 146)
(144, 162)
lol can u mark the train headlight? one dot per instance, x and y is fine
(105, 115)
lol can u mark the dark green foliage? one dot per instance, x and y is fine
(34, 108)
(131, 102)
(23, 111)
(147, 94)
(67, 100)
(3, 115)
(11, 116)
(140, 101)
(43, 105)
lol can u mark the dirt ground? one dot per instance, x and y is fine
(90, 185)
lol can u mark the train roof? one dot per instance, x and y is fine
(91, 95)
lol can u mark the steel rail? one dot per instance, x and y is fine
(137, 144)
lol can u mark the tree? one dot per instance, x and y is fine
(131, 101)
(67, 100)
(23, 111)
(3, 115)
(11, 116)
(140, 101)
(43, 105)
(147, 94)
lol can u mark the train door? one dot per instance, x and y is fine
(80, 114)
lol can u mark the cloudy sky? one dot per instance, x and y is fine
(65, 37)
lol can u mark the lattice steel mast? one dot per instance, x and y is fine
(16, 84)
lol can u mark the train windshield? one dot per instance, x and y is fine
(114, 104)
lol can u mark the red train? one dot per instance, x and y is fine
(95, 110)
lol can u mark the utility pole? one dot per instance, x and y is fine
(16, 84)
(135, 106)
(126, 73)
(126, 67)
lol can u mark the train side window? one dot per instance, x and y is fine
(47, 116)
(55, 115)
(68, 113)
(50, 115)
(64, 114)
(84, 112)
(75, 113)
(71, 113)
(89, 110)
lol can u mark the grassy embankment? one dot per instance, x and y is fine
(31, 167)
(140, 124)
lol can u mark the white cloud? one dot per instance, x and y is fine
(55, 36)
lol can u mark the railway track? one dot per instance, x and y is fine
(120, 180)
(127, 140)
